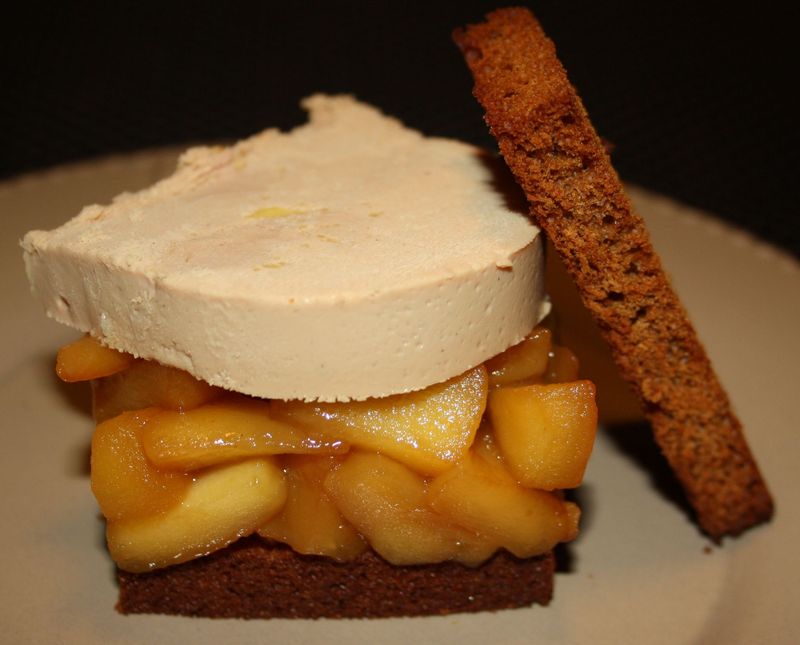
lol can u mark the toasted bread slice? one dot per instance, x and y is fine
(577, 198)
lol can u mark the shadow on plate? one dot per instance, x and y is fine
(584, 497)
(635, 440)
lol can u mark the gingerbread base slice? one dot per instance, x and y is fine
(253, 579)
(576, 197)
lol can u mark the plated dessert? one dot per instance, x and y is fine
(334, 346)
(322, 372)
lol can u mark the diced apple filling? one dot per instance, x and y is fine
(453, 472)
(86, 359)
(430, 430)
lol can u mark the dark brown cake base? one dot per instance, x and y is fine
(253, 579)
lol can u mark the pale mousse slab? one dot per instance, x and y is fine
(349, 258)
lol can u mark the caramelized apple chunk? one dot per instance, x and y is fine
(526, 360)
(234, 428)
(545, 432)
(428, 430)
(477, 495)
(310, 522)
(87, 359)
(221, 505)
(562, 367)
(386, 502)
(149, 384)
(124, 481)
(486, 449)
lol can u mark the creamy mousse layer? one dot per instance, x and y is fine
(349, 258)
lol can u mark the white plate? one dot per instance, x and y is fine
(640, 572)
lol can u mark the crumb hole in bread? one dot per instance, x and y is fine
(494, 34)
(534, 153)
(616, 296)
(608, 220)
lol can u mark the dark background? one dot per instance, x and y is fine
(697, 98)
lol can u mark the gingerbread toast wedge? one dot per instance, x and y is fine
(576, 197)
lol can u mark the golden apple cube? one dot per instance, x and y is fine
(524, 521)
(526, 360)
(545, 432)
(429, 430)
(149, 384)
(562, 367)
(234, 428)
(221, 505)
(87, 359)
(310, 522)
(386, 502)
(124, 481)
(486, 450)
